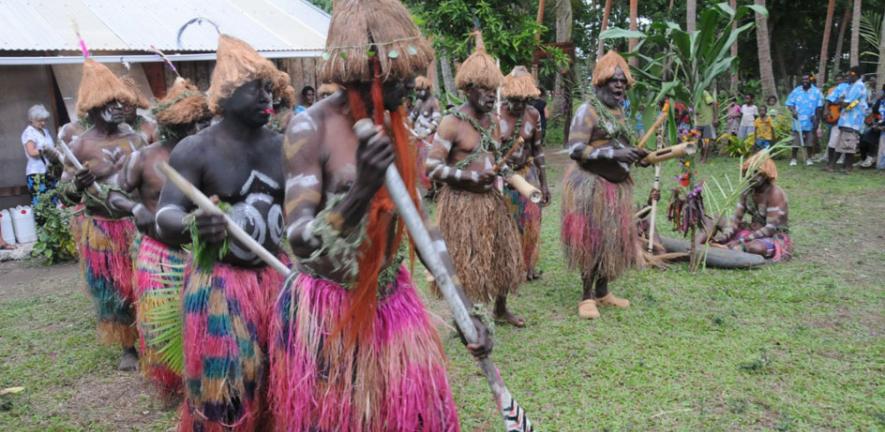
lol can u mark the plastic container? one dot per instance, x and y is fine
(24, 224)
(6, 226)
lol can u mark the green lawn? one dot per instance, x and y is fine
(796, 346)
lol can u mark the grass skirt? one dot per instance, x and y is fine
(226, 317)
(599, 234)
(527, 216)
(395, 382)
(106, 263)
(483, 241)
(157, 266)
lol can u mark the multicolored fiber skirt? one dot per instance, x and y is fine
(226, 318)
(483, 241)
(779, 246)
(599, 234)
(396, 382)
(527, 216)
(157, 267)
(106, 263)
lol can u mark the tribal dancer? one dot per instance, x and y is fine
(425, 117)
(284, 99)
(158, 265)
(767, 234)
(599, 234)
(104, 235)
(227, 303)
(352, 348)
(521, 137)
(474, 218)
(140, 124)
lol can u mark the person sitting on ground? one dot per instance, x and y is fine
(308, 97)
(764, 129)
(767, 233)
(805, 103)
(749, 111)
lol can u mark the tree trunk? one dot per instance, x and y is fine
(691, 15)
(766, 74)
(854, 57)
(446, 70)
(564, 24)
(605, 14)
(825, 44)
(733, 86)
(880, 71)
(837, 57)
(634, 25)
(539, 19)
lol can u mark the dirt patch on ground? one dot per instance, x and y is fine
(28, 279)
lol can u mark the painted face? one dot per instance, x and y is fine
(422, 94)
(395, 92)
(481, 99)
(251, 103)
(516, 106)
(806, 82)
(613, 92)
(129, 112)
(112, 113)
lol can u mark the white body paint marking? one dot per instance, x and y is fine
(303, 181)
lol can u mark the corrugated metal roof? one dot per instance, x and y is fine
(112, 25)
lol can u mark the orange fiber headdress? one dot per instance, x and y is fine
(606, 67)
(480, 69)
(762, 163)
(98, 87)
(237, 64)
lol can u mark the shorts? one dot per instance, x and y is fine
(744, 131)
(834, 137)
(762, 144)
(808, 139)
(707, 132)
(848, 141)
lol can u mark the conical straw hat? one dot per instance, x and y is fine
(480, 69)
(98, 86)
(237, 64)
(184, 104)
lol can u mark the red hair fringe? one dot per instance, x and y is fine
(361, 312)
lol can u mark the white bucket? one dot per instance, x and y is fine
(24, 224)
(6, 227)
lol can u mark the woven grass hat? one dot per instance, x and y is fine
(606, 67)
(237, 64)
(283, 90)
(761, 162)
(184, 104)
(98, 86)
(480, 69)
(141, 101)
(423, 83)
(519, 84)
(361, 29)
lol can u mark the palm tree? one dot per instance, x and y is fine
(733, 87)
(854, 58)
(605, 14)
(691, 15)
(766, 72)
(564, 22)
(825, 45)
(634, 25)
(837, 56)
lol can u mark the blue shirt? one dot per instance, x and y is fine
(853, 117)
(300, 109)
(806, 103)
(840, 90)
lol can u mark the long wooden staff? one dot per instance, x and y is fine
(95, 188)
(662, 117)
(515, 419)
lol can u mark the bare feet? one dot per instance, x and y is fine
(533, 275)
(509, 318)
(129, 360)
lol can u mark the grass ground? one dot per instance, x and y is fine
(796, 346)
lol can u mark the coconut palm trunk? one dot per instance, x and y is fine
(854, 57)
(606, 12)
(837, 56)
(766, 72)
(445, 67)
(733, 86)
(564, 24)
(691, 15)
(880, 71)
(634, 25)
(825, 44)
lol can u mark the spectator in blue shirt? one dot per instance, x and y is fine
(854, 105)
(834, 97)
(805, 103)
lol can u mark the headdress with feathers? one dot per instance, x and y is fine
(237, 64)
(98, 86)
(184, 104)
(606, 67)
(519, 84)
(364, 29)
(141, 101)
(480, 69)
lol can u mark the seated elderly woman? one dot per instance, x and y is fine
(767, 232)
(40, 152)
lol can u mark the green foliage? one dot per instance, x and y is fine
(870, 29)
(166, 321)
(204, 254)
(55, 243)
(325, 5)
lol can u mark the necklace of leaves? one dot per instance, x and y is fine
(487, 143)
(514, 137)
(614, 127)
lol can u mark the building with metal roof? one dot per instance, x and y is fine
(40, 55)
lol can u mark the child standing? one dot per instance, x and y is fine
(764, 129)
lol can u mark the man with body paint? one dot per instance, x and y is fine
(473, 217)
(425, 117)
(226, 304)
(104, 235)
(599, 234)
(520, 126)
